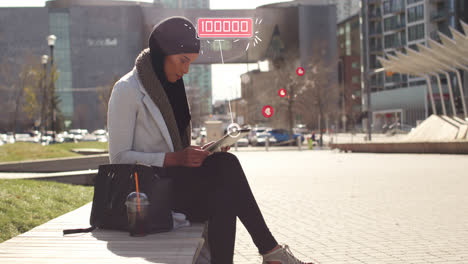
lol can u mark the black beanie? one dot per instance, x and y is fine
(174, 35)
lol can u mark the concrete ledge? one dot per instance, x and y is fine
(85, 177)
(90, 151)
(91, 162)
(453, 147)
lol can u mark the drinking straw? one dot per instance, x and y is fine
(138, 192)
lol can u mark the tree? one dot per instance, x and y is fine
(26, 88)
(8, 84)
(32, 80)
(312, 96)
(321, 91)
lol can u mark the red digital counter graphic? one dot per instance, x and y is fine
(225, 28)
(267, 111)
(282, 92)
(300, 71)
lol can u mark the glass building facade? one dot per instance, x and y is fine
(59, 25)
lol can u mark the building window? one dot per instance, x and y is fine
(348, 47)
(392, 41)
(355, 65)
(413, 1)
(415, 13)
(341, 31)
(355, 79)
(391, 6)
(392, 23)
(416, 32)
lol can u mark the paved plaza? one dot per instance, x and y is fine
(333, 207)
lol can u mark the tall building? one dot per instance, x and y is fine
(345, 9)
(392, 26)
(199, 75)
(349, 71)
(184, 3)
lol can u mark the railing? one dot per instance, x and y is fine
(395, 9)
(376, 48)
(375, 1)
(374, 32)
(397, 26)
(395, 45)
(375, 14)
(439, 15)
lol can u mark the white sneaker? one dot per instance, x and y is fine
(284, 255)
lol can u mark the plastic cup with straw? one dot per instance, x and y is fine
(137, 211)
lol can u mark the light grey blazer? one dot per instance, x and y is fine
(137, 130)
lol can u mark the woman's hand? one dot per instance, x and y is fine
(225, 149)
(192, 156)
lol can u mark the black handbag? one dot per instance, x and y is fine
(112, 185)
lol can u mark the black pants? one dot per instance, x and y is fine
(218, 191)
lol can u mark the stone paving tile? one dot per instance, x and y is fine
(334, 207)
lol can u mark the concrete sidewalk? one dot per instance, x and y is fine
(336, 207)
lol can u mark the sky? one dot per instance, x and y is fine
(225, 78)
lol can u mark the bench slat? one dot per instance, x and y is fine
(46, 244)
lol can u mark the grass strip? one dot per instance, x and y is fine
(25, 204)
(32, 151)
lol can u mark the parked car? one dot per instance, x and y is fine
(260, 139)
(65, 137)
(301, 129)
(97, 135)
(26, 137)
(8, 138)
(46, 140)
(49, 138)
(254, 132)
(101, 135)
(78, 134)
(243, 142)
(282, 135)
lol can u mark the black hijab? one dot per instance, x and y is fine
(174, 35)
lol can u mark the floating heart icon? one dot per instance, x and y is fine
(282, 92)
(267, 111)
(300, 71)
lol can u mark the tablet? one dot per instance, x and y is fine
(228, 140)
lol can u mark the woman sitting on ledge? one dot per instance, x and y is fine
(149, 123)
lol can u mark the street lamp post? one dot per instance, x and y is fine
(367, 75)
(343, 97)
(44, 60)
(51, 42)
